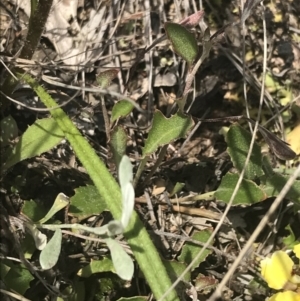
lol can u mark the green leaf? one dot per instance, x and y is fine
(105, 78)
(118, 144)
(121, 109)
(273, 185)
(125, 179)
(28, 245)
(86, 202)
(4, 269)
(181, 101)
(40, 238)
(33, 210)
(128, 203)
(114, 228)
(8, 130)
(43, 135)
(49, 255)
(238, 141)
(271, 84)
(175, 269)
(60, 202)
(176, 189)
(123, 263)
(164, 130)
(248, 193)
(183, 41)
(125, 171)
(290, 239)
(96, 266)
(18, 279)
(190, 250)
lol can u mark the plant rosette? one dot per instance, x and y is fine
(280, 272)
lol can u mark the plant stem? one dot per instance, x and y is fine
(138, 238)
(37, 21)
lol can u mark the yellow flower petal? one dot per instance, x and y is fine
(285, 296)
(295, 279)
(277, 270)
(297, 250)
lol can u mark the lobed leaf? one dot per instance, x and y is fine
(175, 269)
(18, 278)
(248, 193)
(164, 130)
(33, 210)
(190, 250)
(86, 202)
(274, 184)
(238, 141)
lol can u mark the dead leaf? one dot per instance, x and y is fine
(168, 80)
(72, 50)
(159, 186)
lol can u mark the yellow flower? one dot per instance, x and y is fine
(285, 296)
(297, 250)
(277, 270)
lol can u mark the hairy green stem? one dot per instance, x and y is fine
(138, 239)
